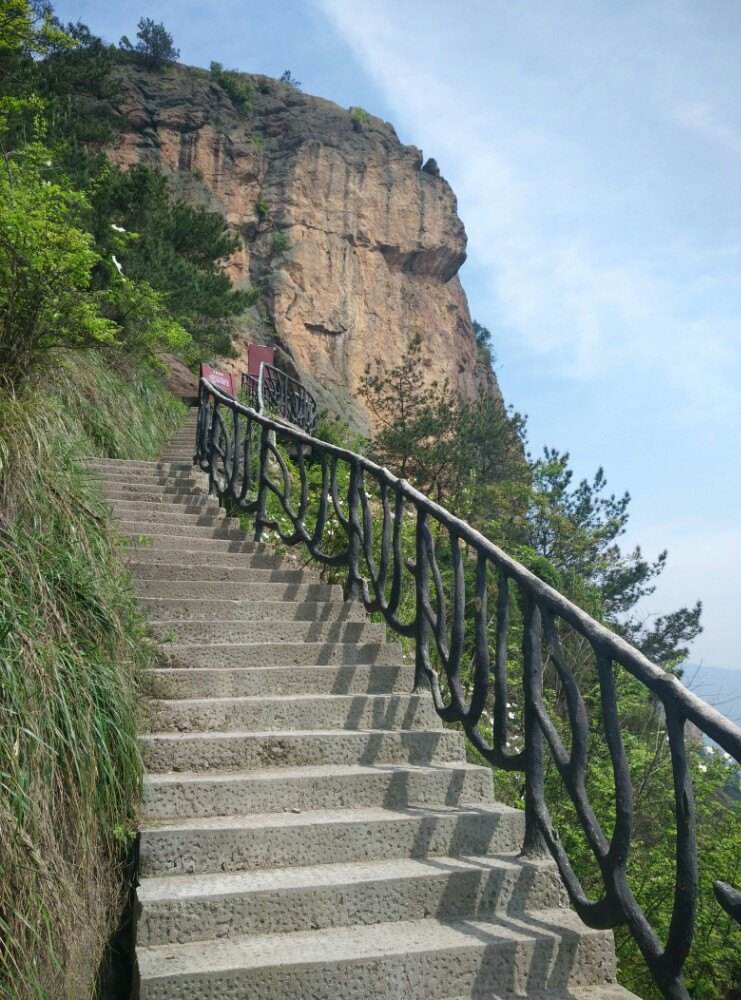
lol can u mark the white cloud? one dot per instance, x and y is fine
(699, 117)
(578, 265)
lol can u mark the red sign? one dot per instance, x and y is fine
(220, 380)
(256, 354)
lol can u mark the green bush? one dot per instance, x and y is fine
(281, 244)
(359, 117)
(235, 84)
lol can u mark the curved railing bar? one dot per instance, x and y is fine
(275, 391)
(218, 453)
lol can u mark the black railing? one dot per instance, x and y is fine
(464, 654)
(251, 390)
(274, 392)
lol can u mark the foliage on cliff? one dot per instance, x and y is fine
(90, 254)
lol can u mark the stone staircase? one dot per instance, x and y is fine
(308, 828)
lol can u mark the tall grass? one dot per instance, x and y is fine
(71, 644)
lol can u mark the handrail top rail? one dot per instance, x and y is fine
(665, 685)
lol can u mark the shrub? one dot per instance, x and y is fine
(235, 84)
(281, 243)
(359, 117)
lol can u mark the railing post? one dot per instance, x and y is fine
(260, 382)
(353, 584)
(421, 578)
(534, 843)
(262, 483)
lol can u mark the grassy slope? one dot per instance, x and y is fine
(71, 641)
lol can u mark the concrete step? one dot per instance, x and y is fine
(184, 477)
(267, 680)
(190, 492)
(266, 629)
(202, 907)
(189, 846)
(160, 467)
(202, 562)
(295, 790)
(279, 654)
(236, 751)
(183, 582)
(172, 541)
(516, 955)
(190, 516)
(195, 610)
(160, 525)
(268, 591)
(186, 504)
(359, 711)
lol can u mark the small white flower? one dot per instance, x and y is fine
(117, 264)
(702, 767)
(510, 715)
(119, 229)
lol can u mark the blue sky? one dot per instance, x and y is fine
(595, 148)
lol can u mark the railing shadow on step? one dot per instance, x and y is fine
(355, 517)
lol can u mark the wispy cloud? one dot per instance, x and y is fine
(698, 116)
(576, 260)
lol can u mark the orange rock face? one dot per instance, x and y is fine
(354, 245)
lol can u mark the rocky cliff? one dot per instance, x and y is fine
(354, 243)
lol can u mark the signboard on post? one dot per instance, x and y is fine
(256, 355)
(223, 381)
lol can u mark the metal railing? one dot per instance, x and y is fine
(275, 392)
(464, 653)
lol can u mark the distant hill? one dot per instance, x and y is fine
(718, 686)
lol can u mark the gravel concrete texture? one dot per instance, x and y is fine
(229, 630)
(321, 836)
(285, 900)
(233, 682)
(309, 788)
(327, 711)
(254, 588)
(235, 751)
(547, 950)
(280, 654)
(197, 611)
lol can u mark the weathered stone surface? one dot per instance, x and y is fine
(374, 242)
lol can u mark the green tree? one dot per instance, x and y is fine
(155, 44)
(484, 346)
(46, 265)
(287, 77)
(575, 528)
(176, 249)
(455, 449)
